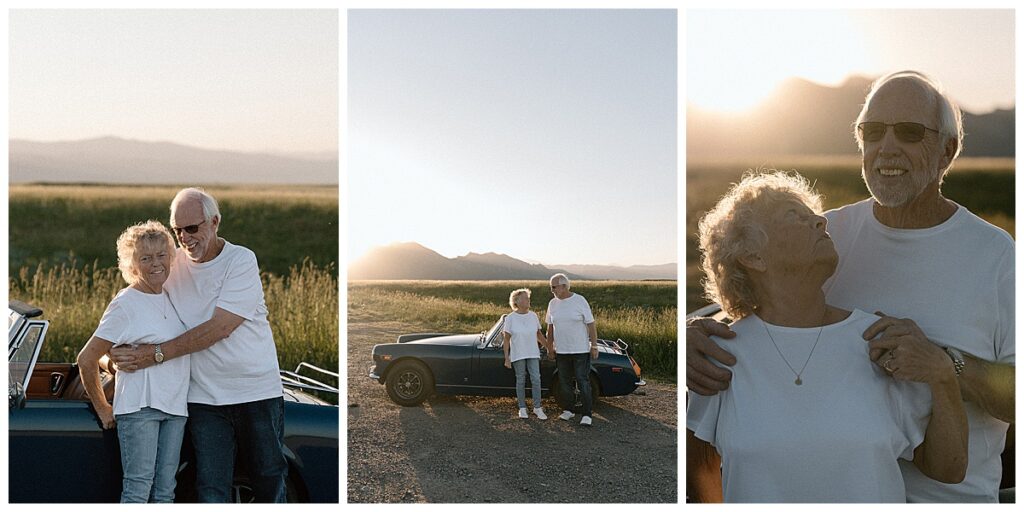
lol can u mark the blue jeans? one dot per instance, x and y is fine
(256, 429)
(150, 448)
(574, 367)
(520, 366)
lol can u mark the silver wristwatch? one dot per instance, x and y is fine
(958, 360)
(158, 356)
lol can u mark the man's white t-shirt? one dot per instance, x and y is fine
(835, 438)
(242, 367)
(955, 280)
(137, 318)
(570, 317)
(523, 327)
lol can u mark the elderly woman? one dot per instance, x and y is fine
(808, 416)
(572, 333)
(149, 405)
(522, 335)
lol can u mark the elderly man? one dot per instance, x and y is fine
(235, 398)
(572, 332)
(944, 275)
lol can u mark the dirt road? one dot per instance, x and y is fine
(472, 449)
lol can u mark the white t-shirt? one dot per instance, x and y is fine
(523, 327)
(570, 317)
(242, 367)
(834, 438)
(955, 280)
(137, 318)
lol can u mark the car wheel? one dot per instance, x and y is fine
(409, 383)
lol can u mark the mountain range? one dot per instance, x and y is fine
(411, 260)
(115, 160)
(804, 118)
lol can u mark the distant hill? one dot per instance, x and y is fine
(123, 161)
(804, 118)
(413, 261)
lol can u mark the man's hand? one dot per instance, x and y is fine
(905, 352)
(130, 358)
(594, 352)
(508, 363)
(702, 376)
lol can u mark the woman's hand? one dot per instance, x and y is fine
(906, 353)
(106, 415)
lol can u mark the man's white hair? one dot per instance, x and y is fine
(560, 278)
(210, 208)
(948, 113)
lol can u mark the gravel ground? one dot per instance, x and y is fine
(475, 449)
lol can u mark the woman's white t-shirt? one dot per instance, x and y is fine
(523, 327)
(835, 438)
(137, 318)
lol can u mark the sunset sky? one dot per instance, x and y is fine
(245, 80)
(548, 135)
(735, 58)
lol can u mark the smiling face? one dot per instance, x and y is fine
(797, 241)
(560, 290)
(151, 264)
(522, 302)
(897, 172)
(200, 246)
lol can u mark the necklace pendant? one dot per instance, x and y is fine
(798, 381)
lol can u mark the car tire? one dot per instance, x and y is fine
(409, 383)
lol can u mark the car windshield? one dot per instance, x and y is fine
(492, 337)
(21, 356)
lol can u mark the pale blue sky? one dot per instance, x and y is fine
(735, 58)
(548, 135)
(247, 80)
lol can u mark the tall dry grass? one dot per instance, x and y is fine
(303, 307)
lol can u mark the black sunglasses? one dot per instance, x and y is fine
(873, 131)
(188, 229)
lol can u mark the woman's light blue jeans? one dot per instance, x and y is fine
(520, 366)
(150, 449)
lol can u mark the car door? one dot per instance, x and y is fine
(490, 377)
(58, 453)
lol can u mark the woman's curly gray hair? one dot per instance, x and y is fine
(515, 295)
(147, 232)
(734, 228)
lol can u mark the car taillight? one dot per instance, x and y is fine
(636, 367)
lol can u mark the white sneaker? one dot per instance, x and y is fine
(540, 413)
(566, 415)
(522, 413)
(585, 421)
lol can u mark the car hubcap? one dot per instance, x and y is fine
(408, 385)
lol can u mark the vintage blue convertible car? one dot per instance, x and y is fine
(58, 451)
(474, 364)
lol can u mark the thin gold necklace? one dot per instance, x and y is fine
(798, 381)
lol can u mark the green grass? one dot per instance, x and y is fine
(641, 313)
(984, 186)
(55, 224)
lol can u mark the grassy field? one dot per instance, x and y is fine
(63, 259)
(984, 186)
(54, 224)
(641, 313)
